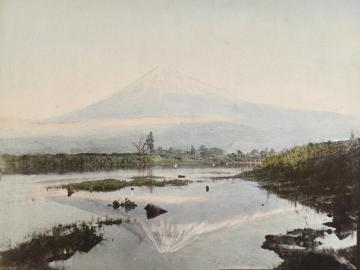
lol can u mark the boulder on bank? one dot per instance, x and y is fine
(153, 211)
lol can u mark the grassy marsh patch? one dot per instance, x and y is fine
(107, 185)
(58, 243)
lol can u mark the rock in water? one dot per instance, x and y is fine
(153, 211)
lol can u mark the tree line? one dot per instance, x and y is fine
(145, 146)
(62, 163)
(145, 155)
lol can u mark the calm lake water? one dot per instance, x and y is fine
(222, 228)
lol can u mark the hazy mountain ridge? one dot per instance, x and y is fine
(219, 120)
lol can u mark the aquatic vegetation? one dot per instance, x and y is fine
(97, 185)
(116, 204)
(111, 221)
(59, 243)
(113, 184)
(127, 204)
(147, 177)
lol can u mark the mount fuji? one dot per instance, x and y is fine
(160, 92)
(180, 110)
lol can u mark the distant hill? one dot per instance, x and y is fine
(181, 111)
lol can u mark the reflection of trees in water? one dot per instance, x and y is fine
(340, 202)
(145, 171)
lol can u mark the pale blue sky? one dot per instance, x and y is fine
(58, 56)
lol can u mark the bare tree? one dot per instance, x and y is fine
(141, 146)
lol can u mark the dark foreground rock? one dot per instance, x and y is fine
(298, 249)
(59, 243)
(153, 211)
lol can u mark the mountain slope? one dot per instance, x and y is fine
(158, 93)
(164, 92)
